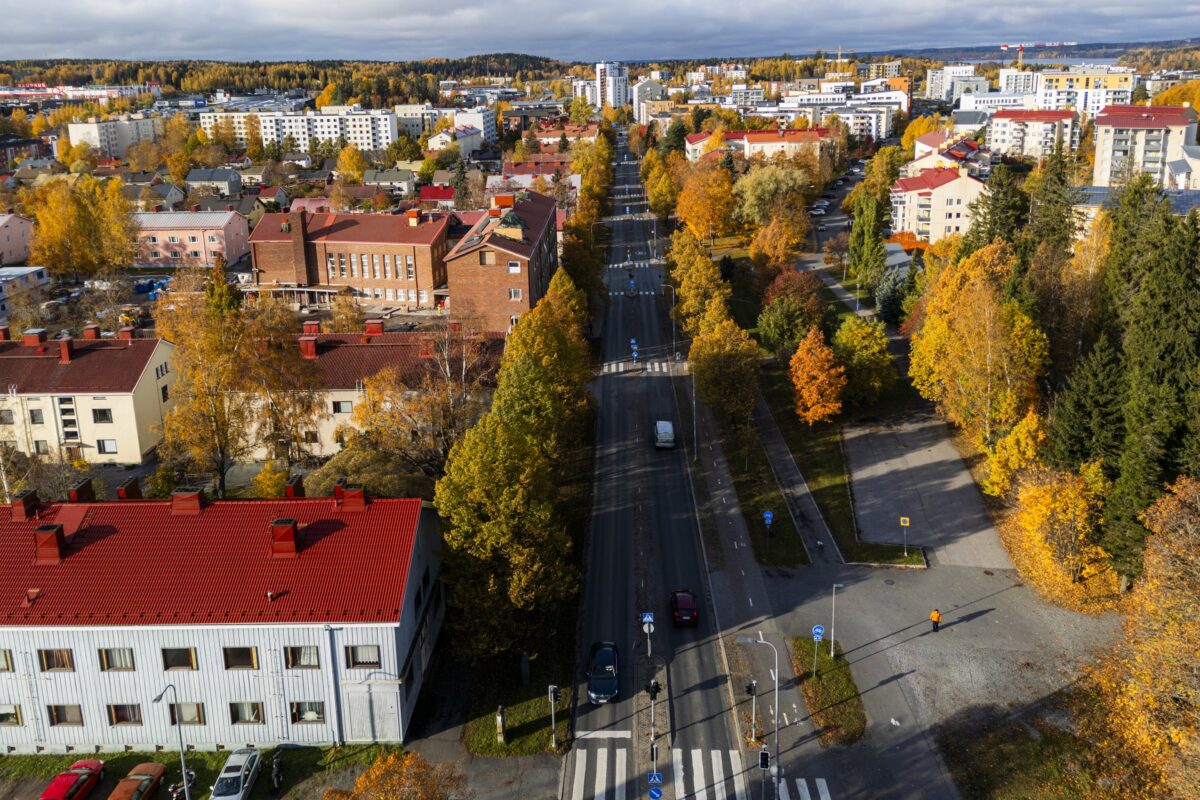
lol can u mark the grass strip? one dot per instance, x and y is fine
(833, 700)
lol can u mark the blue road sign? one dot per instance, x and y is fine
(632, 284)
(768, 518)
(647, 616)
(655, 793)
(654, 779)
(633, 343)
(818, 630)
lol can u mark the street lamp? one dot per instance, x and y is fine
(775, 650)
(672, 288)
(833, 621)
(187, 793)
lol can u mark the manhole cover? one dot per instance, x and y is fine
(890, 582)
(988, 572)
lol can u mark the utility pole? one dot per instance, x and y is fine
(833, 619)
(554, 695)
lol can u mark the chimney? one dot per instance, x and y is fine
(196, 207)
(82, 492)
(426, 347)
(157, 209)
(129, 489)
(294, 488)
(374, 327)
(308, 347)
(354, 498)
(494, 212)
(228, 207)
(283, 538)
(34, 337)
(414, 217)
(339, 490)
(312, 327)
(91, 332)
(24, 506)
(126, 334)
(5, 334)
(187, 500)
(66, 349)
(49, 545)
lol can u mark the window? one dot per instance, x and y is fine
(387, 267)
(127, 714)
(424, 297)
(116, 659)
(106, 446)
(176, 254)
(391, 295)
(193, 253)
(353, 267)
(152, 239)
(302, 657)
(212, 239)
(6, 416)
(10, 714)
(61, 660)
(514, 294)
(187, 713)
(179, 658)
(65, 715)
(100, 415)
(41, 448)
(512, 321)
(362, 656)
(36, 417)
(6, 663)
(412, 295)
(409, 269)
(310, 437)
(246, 713)
(165, 392)
(514, 266)
(375, 265)
(193, 239)
(305, 712)
(173, 240)
(342, 406)
(241, 658)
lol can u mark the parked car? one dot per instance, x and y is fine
(602, 673)
(822, 227)
(140, 783)
(683, 607)
(817, 212)
(77, 782)
(839, 182)
(236, 778)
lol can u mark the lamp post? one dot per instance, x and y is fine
(187, 792)
(672, 288)
(775, 650)
(833, 619)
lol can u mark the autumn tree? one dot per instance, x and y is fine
(817, 379)
(998, 213)
(351, 164)
(144, 156)
(254, 142)
(697, 278)
(706, 202)
(860, 346)
(769, 193)
(725, 361)
(347, 315)
(775, 244)
(408, 776)
(270, 481)
(920, 126)
(82, 228)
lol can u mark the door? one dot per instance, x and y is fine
(385, 711)
(360, 724)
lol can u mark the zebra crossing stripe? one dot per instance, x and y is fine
(718, 772)
(701, 792)
(739, 779)
(802, 785)
(619, 773)
(822, 789)
(578, 785)
(677, 772)
(601, 772)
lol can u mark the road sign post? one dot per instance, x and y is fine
(768, 518)
(817, 632)
(904, 528)
(648, 627)
(552, 691)
(752, 690)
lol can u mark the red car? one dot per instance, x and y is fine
(80, 779)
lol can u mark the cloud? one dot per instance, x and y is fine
(574, 30)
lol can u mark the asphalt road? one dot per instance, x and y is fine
(644, 543)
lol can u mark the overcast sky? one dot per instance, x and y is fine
(584, 30)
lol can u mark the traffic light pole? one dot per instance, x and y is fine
(551, 692)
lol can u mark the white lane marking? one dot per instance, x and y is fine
(802, 785)
(619, 773)
(786, 721)
(822, 789)
(604, 735)
(783, 790)
(772, 672)
(718, 774)
(743, 573)
(751, 599)
(577, 786)
(739, 780)
(601, 772)
(677, 769)
(701, 791)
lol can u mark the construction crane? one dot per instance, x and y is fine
(1020, 48)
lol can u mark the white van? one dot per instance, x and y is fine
(664, 434)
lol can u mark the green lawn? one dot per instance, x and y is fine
(299, 764)
(758, 491)
(865, 297)
(833, 699)
(819, 455)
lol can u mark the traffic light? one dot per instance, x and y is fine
(750, 687)
(555, 693)
(764, 759)
(653, 688)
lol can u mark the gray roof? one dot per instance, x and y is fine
(242, 205)
(387, 176)
(1182, 200)
(216, 175)
(182, 219)
(1179, 166)
(974, 118)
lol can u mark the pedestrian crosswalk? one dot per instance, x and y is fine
(642, 366)
(624, 294)
(604, 773)
(632, 265)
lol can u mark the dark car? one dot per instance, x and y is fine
(683, 607)
(80, 780)
(602, 672)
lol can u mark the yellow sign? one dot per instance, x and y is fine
(904, 522)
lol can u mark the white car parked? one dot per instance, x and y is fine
(236, 779)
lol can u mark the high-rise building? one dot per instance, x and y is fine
(939, 83)
(372, 129)
(112, 137)
(612, 84)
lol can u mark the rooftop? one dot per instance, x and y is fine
(930, 179)
(96, 366)
(1146, 116)
(1034, 115)
(183, 219)
(528, 214)
(351, 228)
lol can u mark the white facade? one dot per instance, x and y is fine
(961, 87)
(642, 92)
(366, 129)
(1159, 141)
(112, 137)
(939, 82)
(1017, 81)
(612, 84)
(863, 121)
(742, 95)
(16, 232)
(468, 138)
(935, 204)
(413, 119)
(18, 279)
(482, 118)
(585, 89)
(990, 101)
(1032, 134)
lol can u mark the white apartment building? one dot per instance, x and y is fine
(93, 398)
(879, 69)
(112, 137)
(15, 234)
(480, 117)
(612, 84)
(18, 279)
(939, 82)
(1086, 89)
(892, 97)
(413, 119)
(1017, 81)
(1157, 140)
(991, 101)
(468, 138)
(742, 95)
(696, 76)
(644, 91)
(863, 121)
(935, 203)
(366, 129)
(321, 630)
(1032, 133)
(961, 87)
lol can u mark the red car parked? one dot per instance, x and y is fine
(80, 779)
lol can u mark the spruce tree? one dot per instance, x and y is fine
(998, 213)
(1137, 206)
(889, 297)
(1052, 217)
(1087, 422)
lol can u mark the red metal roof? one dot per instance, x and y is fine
(346, 359)
(928, 180)
(134, 562)
(1145, 116)
(352, 228)
(1033, 115)
(97, 366)
(437, 193)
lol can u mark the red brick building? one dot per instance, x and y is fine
(503, 265)
(385, 259)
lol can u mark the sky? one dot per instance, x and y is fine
(575, 30)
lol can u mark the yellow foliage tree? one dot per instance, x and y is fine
(726, 360)
(921, 126)
(817, 378)
(706, 202)
(270, 481)
(351, 164)
(1015, 452)
(83, 228)
(407, 776)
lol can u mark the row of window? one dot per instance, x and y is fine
(369, 270)
(176, 240)
(398, 294)
(120, 659)
(37, 417)
(248, 712)
(177, 255)
(42, 448)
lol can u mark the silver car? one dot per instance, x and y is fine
(236, 778)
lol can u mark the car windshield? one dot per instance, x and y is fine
(141, 790)
(227, 787)
(604, 663)
(77, 785)
(684, 601)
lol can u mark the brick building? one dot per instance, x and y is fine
(503, 265)
(384, 258)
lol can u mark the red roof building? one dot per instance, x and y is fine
(1032, 133)
(936, 203)
(1157, 140)
(437, 197)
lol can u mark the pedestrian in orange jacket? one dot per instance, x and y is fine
(935, 617)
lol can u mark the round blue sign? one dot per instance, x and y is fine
(818, 630)
(655, 793)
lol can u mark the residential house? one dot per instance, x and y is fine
(437, 198)
(444, 177)
(382, 258)
(935, 203)
(253, 175)
(275, 195)
(223, 180)
(151, 196)
(19, 279)
(301, 160)
(1032, 133)
(766, 144)
(503, 265)
(94, 398)
(252, 208)
(15, 234)
(969, 123)
(550, 137)
(397, 182)
(1157, 140)
(190, 238)
(467, 137)
(953, 152)
(308, 641)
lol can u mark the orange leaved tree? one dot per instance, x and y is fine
(817, 378)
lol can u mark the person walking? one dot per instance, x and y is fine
(935, 617)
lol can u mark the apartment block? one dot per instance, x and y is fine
(935, 203)
(190, 238)
(366, 129)
(1157, 140)
(15, 234)
(1032, 133)
(113, 136)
